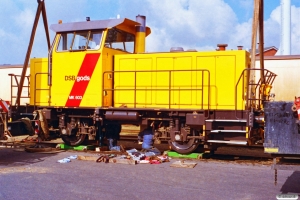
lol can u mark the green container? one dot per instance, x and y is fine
(77, 148)
(178, 155)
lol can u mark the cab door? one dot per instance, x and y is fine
(75, 63)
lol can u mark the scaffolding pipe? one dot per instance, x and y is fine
(40, 9)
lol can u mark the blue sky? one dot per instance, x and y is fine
(191, 24)
(244, 8)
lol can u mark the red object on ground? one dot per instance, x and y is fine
(154, 162)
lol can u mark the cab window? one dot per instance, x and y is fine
(120, 40)
(94, 40)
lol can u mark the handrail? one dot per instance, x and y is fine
(35, 89)
(269, 79)
(14, 79)
(168, 87)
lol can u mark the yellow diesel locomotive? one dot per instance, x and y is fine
(98, 77)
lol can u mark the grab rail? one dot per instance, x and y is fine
(258, 89)
(169, 87)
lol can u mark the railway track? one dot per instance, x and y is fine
(129, 140)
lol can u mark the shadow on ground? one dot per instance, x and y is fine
(18, 157)
(292, 184)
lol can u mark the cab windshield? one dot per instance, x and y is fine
(80, 41)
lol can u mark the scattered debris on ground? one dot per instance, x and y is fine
(131, 157)
(183, 164)
(68, 159)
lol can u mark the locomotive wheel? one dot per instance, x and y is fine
(185, 147)
(73, 140)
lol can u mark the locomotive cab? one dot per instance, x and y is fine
(69, 83)
(72, 75)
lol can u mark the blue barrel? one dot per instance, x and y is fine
(147, 141)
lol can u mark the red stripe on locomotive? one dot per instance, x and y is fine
(82, 80)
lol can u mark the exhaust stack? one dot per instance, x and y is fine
(140, 37)
(222, 47)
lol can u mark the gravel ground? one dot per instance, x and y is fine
(38, 176)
